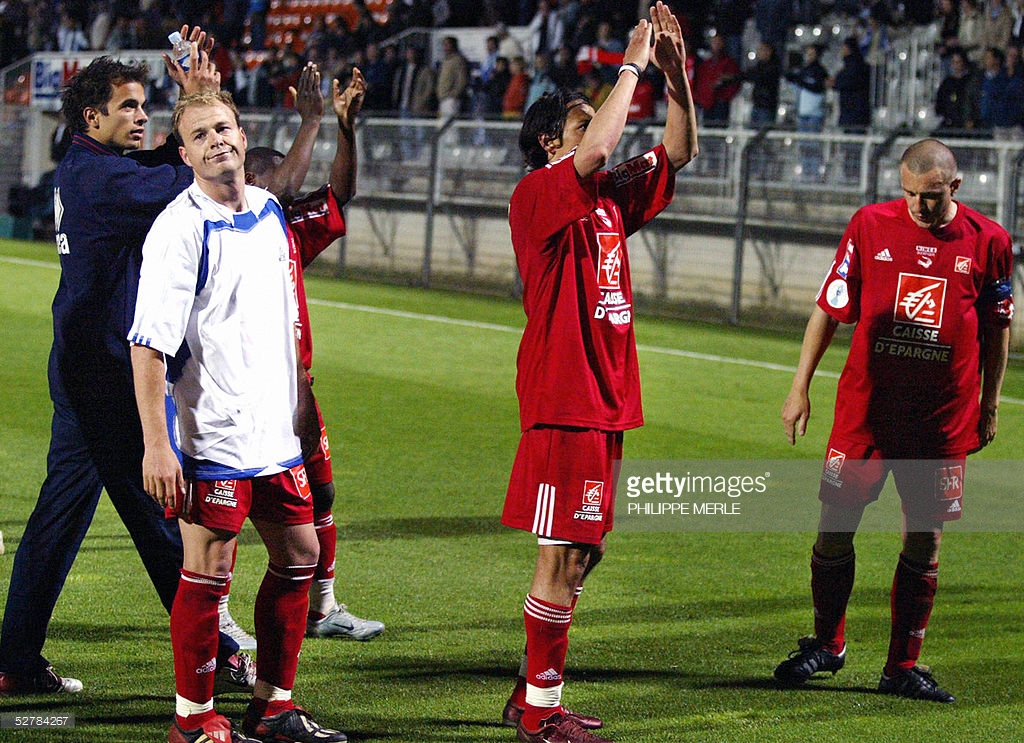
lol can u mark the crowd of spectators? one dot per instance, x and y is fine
(575, 43)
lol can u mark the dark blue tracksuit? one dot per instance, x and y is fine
(105, 205)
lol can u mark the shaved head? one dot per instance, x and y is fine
(928, 155)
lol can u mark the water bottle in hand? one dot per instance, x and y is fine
(180, 49)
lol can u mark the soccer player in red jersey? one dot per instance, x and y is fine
(578, 380)
(315, 220)
(927, 280)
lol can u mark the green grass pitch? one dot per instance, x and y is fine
(676, 635)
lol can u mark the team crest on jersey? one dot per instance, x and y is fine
(609, 260)
(920, 300)
(962, 264)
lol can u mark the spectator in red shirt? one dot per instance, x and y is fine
(715, 84)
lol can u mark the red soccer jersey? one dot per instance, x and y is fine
(577, 362)
(314, 222)
(919, 297)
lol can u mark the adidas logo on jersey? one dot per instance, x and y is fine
(954, 507)
(883, 255)
(549, 675)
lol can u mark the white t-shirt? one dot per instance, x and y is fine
(215, 293)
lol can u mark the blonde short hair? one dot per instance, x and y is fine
(201, 98)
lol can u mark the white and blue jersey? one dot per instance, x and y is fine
(215, 296)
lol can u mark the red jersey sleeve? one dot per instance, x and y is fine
(839, 295)
(641, 187)
(995, 300)
(316, 221)
(548, 200)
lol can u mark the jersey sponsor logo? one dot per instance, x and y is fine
(838, 294)
(962, 264)
(949, 483)
(609, 260)
(834, 461)
(222, 493)
(844, 267)
(920, 300)
(301, 480)
(925, 255)
(883, 255)
(602, 218)
(593, 497)
(634, 168)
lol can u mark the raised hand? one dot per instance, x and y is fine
(202, 73)
(639, 50)
(669, 54)
(308, 101)
(349, 101)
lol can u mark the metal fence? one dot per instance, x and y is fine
(748, 238)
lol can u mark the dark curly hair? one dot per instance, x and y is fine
(545, 117)
(93, 86)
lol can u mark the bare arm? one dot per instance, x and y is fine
(605, 129)
(285, 181)
(669, 56)
(161, 470)
(817, 337)
(347, 104)
(993, 367)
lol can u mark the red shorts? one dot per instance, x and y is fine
(854, 475)
(283, 498)
(563, 484)
(318, 465)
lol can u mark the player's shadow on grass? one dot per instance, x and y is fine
(765, 683)
(407, 528)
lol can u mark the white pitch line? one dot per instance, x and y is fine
(441, 319)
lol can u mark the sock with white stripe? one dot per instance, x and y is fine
(280, 614)
(519, 692)
(547, 640)
(321, 594)
(194, 623)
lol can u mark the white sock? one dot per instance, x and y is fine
(185, 707)
(265, 690)
(321, 596)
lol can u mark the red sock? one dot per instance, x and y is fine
(327, 536)
(518, 696)
(831, 586)
(194, 622)
(547, 640)
(913, 594)
(194, 722)
(280, 614)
